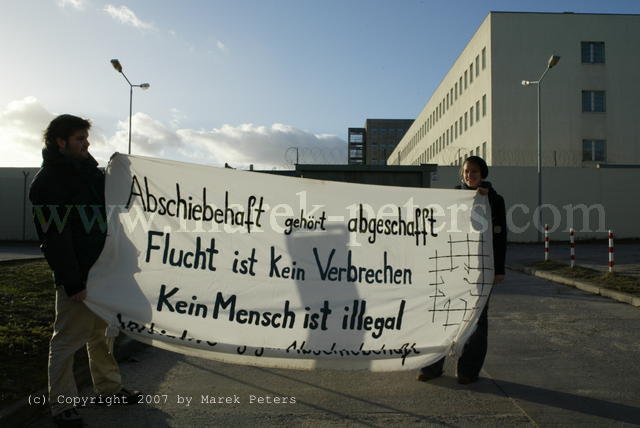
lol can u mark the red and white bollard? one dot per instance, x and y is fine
(611, 262)
(572, 244)
(546, 242)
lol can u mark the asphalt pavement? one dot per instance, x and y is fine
(19, 251)
(557, 356)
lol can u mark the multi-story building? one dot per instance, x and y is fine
(373, 144)
(589, 111)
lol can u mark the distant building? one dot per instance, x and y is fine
(373, 144)
(588, 100)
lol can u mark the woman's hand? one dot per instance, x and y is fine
(483, 191)
(498, 279)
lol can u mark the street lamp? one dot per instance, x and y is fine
(144, 86)
(553, 60)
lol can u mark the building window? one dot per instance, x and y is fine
(471, 116)
(456, 91)
(477, 150)
(484, 150)
(460, 85)
(593, 101)
(477, 111)
(484, 105)
(356, 138)
(593, 52)
(466, 78)
(477, 65)
(471, 73)
(466, 120)
(484, 58)
(594, 150)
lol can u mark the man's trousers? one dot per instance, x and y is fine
(75, 325)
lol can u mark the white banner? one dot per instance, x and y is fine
(260, 269)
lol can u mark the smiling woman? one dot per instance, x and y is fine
(473, 174)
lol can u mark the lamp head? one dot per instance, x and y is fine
(116, 64)
(553, 60)
(145, 86)
(525, 83)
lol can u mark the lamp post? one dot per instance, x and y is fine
(144, 86)
(553, 60)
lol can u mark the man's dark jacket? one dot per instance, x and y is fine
(69, 215)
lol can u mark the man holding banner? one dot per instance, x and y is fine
(69, 214)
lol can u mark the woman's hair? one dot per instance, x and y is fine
(63, 127)
(479, 162)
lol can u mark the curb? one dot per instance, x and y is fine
(21, 413)
(581, 285)
(22, 259)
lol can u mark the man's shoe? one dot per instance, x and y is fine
(68, 419)
(425, 376)
(129, 397)
(465, 380)
(124, 396)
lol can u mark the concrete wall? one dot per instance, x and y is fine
(16, 223)
(609, 193)
(521, 45)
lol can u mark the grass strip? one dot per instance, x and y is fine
(27, 299)
(611, 280)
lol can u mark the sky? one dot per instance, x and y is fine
(236, 81)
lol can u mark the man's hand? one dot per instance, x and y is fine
(498, 279)
(79, 297)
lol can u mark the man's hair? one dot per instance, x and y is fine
(479, 162)
(63, 127)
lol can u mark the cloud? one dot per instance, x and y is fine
(149, 137)
(126, 16)
(22, 123)
(76, 4)
(266, 147)
(176, 117)
(221, 46)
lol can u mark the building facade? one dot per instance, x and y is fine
(588, 108)
(373, 144)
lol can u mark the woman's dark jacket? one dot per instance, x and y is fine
(499, 225)
(69, 215)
